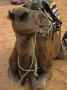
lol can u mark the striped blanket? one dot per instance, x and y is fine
(53, 7)
(55, 10)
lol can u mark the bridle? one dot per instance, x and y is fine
(30, 68)
(44, 33)
(33, 58)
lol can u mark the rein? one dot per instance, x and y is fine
(33, 59)
(30, 69)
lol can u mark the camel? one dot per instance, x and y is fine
(34, 50)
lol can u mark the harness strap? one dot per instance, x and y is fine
(29, 70)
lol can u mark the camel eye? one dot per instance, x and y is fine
(23, 16)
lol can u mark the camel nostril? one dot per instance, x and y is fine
(24, 16)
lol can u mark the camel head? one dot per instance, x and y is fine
(26, 22)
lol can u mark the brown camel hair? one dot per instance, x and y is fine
(26, 23)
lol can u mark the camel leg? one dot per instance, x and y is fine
(44, 64)
(41, 83)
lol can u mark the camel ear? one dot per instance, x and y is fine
(11, 15)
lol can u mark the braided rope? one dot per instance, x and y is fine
(29, 70)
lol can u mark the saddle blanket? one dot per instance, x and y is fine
(53, 7)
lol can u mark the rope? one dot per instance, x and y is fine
(47, 31)
(26, 70)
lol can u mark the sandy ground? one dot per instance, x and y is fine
(7, 40)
